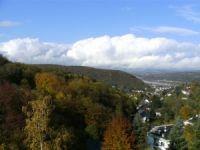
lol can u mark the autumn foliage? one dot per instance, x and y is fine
(118, 135)
(47, 82)
(52, 109)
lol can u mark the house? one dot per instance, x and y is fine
(191, 120)
(144, 110)
(157, 137)
(184, 98)
(185, 92)
(145, 115)
(158, 114)
(144, 104)
(169, 94)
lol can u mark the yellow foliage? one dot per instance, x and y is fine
(47, 82)
(189, 134)
(185, 112)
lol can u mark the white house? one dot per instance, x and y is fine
(184, 92)
(158, 114)
(157, 137)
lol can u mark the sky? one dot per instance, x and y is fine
(124, 34)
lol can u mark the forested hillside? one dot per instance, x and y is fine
(49, 109)
(54, 110)
(117, 78)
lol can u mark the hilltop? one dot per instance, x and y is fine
(117, 78)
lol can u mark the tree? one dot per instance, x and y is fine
(37, 124)
(11, 72)
(11, 116)
(189, 135)
(62, 140)
(140, 130)
(195, 97)
(118, 135)
(176, 137)
(3, 60)
(178, 90)
(40, 133)
(196, 140)
(47, 82)
(185, 112)
(156, 102)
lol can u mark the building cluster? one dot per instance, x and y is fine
(144, 110)
(157, 137)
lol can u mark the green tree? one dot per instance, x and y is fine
(140, 130)
(156, 102)
(176, 137)
(196, 140)
(3, 60)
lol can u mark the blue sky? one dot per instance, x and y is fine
(72, 20)
(102, 33)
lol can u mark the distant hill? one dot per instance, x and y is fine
(184, 76)
(116, 78)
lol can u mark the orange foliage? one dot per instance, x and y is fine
(118, 135)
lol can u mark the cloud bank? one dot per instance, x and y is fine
(124, 52)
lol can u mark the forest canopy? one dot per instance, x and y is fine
(55, 110)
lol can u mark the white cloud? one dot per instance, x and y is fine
(30, 50)
(167, 30)
(126, 51)
(7, 23)
(188, 13)
(175, 30)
